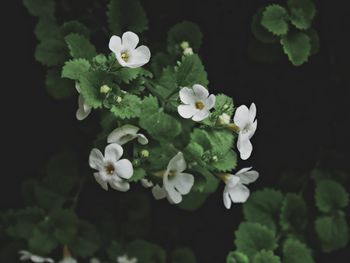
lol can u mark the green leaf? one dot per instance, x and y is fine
(74, 27)
(260, 32)
(47, 199)
(40, 7)
(293, 213)
(221, 140)
(253, 237)
(146, 252)
(224, 104)
(129, 107)
(184, 31)
(66, 223)
(74, 68)
(80, 47)
(266, 257)
(195, 151)
(275, 19)
(236, 257)
(191, 71)
(42, 241)
(297, 46)
(46, 28)
(264, 207)
(168, 82)
(183, 255)
(51, 52)
(193, 200)
(205, 182)
(226, 162)
(139, 174)
(302, 13)
(114, 250)
(330, 195)
(58, 87)
(90, 84)
(124, 15)
(332, 231)
(127, 75)
(296, 252)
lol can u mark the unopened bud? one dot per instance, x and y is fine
(118, 99)
(224, 119)
(105, 89)
(215, 158)
(145, 153)
(188, 51)
(184, 45)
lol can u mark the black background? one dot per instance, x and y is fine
(303, 111)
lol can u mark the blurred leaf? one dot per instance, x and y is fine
(275, 19)
(66, 223)
(302, 13)
(293, 213)
(296, 252)
(236, 257)
(51, 52)
(57, 87)
(80, 47)
(74, 27)
(42, 8)
(260, 32)
(297, 47)
(146, 252)
(183, 255)
(266, 257)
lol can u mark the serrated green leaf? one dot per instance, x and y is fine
(66, 223)
(129, 107)
(127, 75)
(42, 241)
(191, 71)
(168, 82)
(184, 31)
(74, 27)
(146, 252)
(296, 252)
(58, 87)
(225, 162)
(330, 195)
(80, 47)
(51, 52)
(275, 19)
(139, 174)
(332, 231)
(293, 213)
(47, 199)
(41, 8)
(302, 13)
(253, 237)
(260, 32)
(297, 46)
(236, 257)
(224, 104)
(183, 255)
(264, 207)
(266, 257)
(46, 28)
(124, 15)
(221, 140)
(73, 69)
(90, 84)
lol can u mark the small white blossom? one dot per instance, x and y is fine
(146, 183)
(125, 134)
(68, 260)
(224, 118)
(196, 103)
(235, 190)
(244, 119)
(111, 170)
(83, 109)
(26, 255)
(126, 259)
(175, 182)
(126, 52)
(188, 51)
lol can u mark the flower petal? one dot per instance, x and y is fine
(123, 134)
(242, 116)
(187, 96)
(227, 199)
(183, 182)
(252, 112)
(249, 177)
(146, 183)
(200, 115)
(173, 196)
(101, 181)
(233, 181)
(124, 169)
(158, 192)
(239, 193)
(119, 184)
(115, 44)
(200, 92)
(113, 152)
(243, 170)
(244, 146)
(210, 102)
(253, 128)
(186, 111)
(77, 86)
(139, 57)
(177, 163)
(142, 139)
(96, 159)
(129, 40)
(84, 110)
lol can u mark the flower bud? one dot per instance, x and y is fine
(224, 118)
(105, 89)
(184, 45)
(145, 153)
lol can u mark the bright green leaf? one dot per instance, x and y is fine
(74, 68)
(139, 174)
(266, 257)
(80, 47)
(191, 71)
(275, 19)
(236, 257)
(260, 32)
(297, 46)
(302, 13)
(90, 84)
(296, 252)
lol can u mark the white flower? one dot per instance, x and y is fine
(146, 183)
(224, 118)
(197, 103)
(95, 260)
(84, 109)
(125, 134)
(175, 182)
(188, 51)
(126, 259)
(235, 190)
(110, 169)
(126, 52)
(26, 255)
(68, 260)
(244, 119)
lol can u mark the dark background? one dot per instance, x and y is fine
(303, 115)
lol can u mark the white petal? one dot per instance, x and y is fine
(187, 96)
(130, 40)
(77, 87)
(239, 193)
(119, 184)
(249, 177)
(24, 255)
(210, 102)
(146, 183)
(84, 110)
(200, 115)
(37, 259)
(186, 111)
(252, 112)
(120, 60)
(177, 163)
(173, 196)
(242, 116)
(158, 192)
(200, 92)
(115, 44)
(123, 134)
(243, 170)
(253, 129)
(244, 146)
(100, 179)
(182, 182)
(113, 152)
(96, 159)
(139, 57)
(233, 181)
(124, 169)
(142, 139)
(227, 200)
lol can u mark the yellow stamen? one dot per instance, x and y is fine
(110, 169)
(125, 56)
(200, 105)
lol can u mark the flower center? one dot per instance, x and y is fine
(199, 105)
(127, 137)
(246, 129)
(110, 169)
(125, 56)
(172, 173)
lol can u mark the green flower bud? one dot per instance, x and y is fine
(145, 153)
(105, 89)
